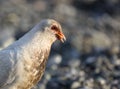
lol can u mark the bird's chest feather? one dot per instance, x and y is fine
(32, 71)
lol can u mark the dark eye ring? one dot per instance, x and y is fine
(54, 27)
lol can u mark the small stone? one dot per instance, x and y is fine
(41, 86)
(75, 85)
(117, 62)
(81, 73)
(74, 71)
(101, 81)
(74, 63)
(85, 88)
(81, 79)
(89, 83)
(90, 60)
(54, 60)
(48, 76)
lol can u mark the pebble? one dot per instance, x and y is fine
(75, 85)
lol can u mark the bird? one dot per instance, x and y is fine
(22, 64)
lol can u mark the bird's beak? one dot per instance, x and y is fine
(61, 37)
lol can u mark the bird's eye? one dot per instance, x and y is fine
(54, 28)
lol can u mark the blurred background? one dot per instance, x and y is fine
(90, 58)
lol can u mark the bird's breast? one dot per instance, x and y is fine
(32, 71)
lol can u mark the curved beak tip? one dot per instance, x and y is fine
(63, 39)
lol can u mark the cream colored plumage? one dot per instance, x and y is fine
(22, 64)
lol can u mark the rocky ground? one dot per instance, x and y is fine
(90, 58)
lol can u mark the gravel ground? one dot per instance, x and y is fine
(90, 58)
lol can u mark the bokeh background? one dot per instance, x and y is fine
(90, 58)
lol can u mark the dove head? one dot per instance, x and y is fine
(53, 29)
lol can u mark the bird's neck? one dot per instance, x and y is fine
(35, 41)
